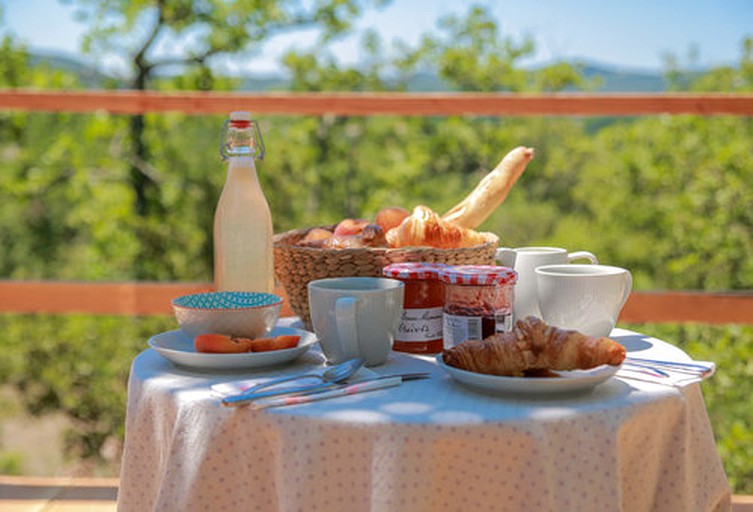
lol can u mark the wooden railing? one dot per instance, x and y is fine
(372, 104)
(140, 298)
(153, 298)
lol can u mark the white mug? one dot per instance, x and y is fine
(586, 298)
(524, 261)
(356, 316)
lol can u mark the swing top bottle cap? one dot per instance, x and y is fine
(240, 115)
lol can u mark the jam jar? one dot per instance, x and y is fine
(478, 302)
(420, 330)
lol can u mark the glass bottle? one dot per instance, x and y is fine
(243, 254)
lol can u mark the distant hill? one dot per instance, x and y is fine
(89, 75)
(612, 79)
(619, 80)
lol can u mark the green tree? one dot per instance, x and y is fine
(60, 185)
(680, 186)
(470, 53)
(204, 32)
(354, 166)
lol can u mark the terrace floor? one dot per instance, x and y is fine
(37, 494)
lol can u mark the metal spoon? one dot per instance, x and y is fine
(336, 373)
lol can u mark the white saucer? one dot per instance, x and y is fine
(565, 382)
(178, 348)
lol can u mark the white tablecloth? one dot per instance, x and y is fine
(430, 445)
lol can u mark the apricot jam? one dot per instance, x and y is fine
(478, 302)
(420, 330)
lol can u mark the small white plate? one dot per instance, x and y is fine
(566, 382)
(179, 349)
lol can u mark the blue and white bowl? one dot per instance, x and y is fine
(241, 314)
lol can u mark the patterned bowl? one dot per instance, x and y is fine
(242, 314)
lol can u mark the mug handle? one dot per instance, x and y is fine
(347, 331)
(628, 288)
(505, 256)
(581, 255)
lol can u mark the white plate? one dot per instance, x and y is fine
(567, 382)
(178, 348)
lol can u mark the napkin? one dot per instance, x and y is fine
(666, 375)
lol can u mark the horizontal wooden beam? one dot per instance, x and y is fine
(134, 298)
(685, 306)
(144, 298)
(129, 298)
(371, 104)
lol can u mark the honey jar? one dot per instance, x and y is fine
(421, 324)
(478, 302)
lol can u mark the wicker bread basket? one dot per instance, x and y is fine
(296, 266)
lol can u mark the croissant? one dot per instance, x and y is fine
(533, 345)
(425, 228)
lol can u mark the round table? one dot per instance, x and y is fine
(434, 445)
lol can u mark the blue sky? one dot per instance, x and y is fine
(633, 34)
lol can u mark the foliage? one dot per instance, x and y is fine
(672, 208)
(737, 78)
(667, 197)
(11, 463)
(202, 31)
(77, 365)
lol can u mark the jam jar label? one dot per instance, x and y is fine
(503, 320)
(458, 328)
(420, 324)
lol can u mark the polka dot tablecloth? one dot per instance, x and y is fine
(430, 445)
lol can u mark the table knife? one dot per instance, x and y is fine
(343, 390)
(240, 399)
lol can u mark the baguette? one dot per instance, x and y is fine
(472, 211)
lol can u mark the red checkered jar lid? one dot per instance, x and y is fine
(480, 275)
(418, 270)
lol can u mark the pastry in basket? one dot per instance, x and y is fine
(532, 347)
(425, 228)
(369, 235)
(316, 237)
(372, 235)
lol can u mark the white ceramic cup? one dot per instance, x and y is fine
(587, 298)
(356, 316)
(524, 261)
